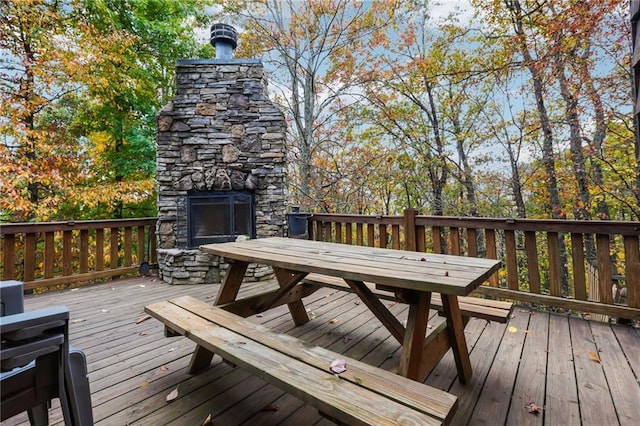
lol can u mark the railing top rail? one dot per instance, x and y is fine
(356, 218)
(548, 225)
(29, 227)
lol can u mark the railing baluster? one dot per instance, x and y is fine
(436, 235)
(512, 260)
(128, 239)
(141, 245)
(371, 236)
(472, 242)
(67, 238)
(632, 270)
(421, 239)
(604, 268)
(454, 240)
(29, 256)
(49, 254)
(84, 251)
(153, 254)
(533, 271)
(114, 240)
(554, 263)
(382, 232)
(338, 232)
(395, 237)
(492, 253)
(579, 276)
(99, 249)
(349, 233)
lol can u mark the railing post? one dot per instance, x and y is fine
(410, 240)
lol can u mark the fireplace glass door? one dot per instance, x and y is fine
(219, 217)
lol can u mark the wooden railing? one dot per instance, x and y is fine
(544, 261)
(56, 253)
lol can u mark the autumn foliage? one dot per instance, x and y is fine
(512, 108)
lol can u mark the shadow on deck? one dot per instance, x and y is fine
(576, 371)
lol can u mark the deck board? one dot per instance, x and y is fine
(133, 367)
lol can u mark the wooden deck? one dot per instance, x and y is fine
(578, 372)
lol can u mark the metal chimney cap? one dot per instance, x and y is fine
(224, 33)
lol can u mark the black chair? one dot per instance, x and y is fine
(38, 366)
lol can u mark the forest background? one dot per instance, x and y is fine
(509, 108)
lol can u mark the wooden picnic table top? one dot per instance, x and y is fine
(445, 274)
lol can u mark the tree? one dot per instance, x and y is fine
(38, 156)
(82, 81)
(311, 46)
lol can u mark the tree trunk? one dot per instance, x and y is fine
(548, 156)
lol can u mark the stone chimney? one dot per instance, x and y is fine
(220, 163)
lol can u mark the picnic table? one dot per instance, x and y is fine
(412, 276)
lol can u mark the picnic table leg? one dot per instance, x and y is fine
(228, 292)
(455, 327)
(414, 336)
(287, 279)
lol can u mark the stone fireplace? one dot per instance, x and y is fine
(220, 165)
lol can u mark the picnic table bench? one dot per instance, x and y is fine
(488, 309)
(361, 395)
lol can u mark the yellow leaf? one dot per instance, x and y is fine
(594, 356)
(512, 329)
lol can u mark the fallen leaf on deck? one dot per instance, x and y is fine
(512, 329)
(78, 320)
(164, 368)
(446, 273)
(142, 333)
(270, 408)
(259, 315)
(422, 259)
(172, 349)
(333, 321)
(144, 384)
(105, 310)
(346, 339)
(512, 316)
(208, 296)
(142, 285)
(172, 395)
(74, 289)
(207, 421)
(534, 408)
(338, 366)
(594, 356)
(142, 319)
(357, 302)
(527, 331)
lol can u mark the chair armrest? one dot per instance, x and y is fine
(29, 324)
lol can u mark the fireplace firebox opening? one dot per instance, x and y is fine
(217, 217)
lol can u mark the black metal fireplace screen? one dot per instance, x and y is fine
(217, 217)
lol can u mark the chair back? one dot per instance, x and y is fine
(34, 360)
